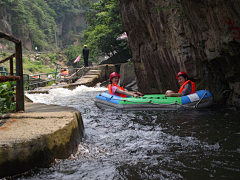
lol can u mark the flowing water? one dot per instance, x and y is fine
(189, 144)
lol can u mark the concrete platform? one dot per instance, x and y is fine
(38, 136)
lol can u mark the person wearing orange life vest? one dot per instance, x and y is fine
(187, 86)
(65, 72)
(114, 89)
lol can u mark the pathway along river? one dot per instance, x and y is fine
(189, 144)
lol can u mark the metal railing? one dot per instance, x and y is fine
(57, 76)
(50, 78)
(34, 81)
(74, 73)
(18, 77)
(30, 52)
(37, 77)
(25, 77)
(3, 71)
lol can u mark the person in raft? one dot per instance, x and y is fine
(114, 89)
(187, 86)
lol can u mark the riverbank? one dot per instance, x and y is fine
(38, 136)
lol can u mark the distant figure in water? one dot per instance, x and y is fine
(187, 86)
(114, 89)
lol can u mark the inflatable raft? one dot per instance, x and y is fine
(200, 99)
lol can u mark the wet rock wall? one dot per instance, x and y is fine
(200, 37)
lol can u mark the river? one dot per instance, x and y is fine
(185, 144)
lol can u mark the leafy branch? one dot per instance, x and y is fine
(6, 95)
(181, 12)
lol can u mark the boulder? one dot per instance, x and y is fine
(128, 76)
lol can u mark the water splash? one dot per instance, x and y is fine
(145, 144)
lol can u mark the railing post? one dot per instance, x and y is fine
(38, 81)
(11, 66)
(28, 80)
(19, 84)
(11, 73)
(56, 73)
(60, 74)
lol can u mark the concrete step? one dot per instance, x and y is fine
(94, 72)
(90, 76)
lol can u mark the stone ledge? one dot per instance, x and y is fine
(37, 137)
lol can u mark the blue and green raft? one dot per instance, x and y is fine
(200, 99)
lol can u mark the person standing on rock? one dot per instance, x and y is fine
(114, 89)
(187, 86)
(85, 55)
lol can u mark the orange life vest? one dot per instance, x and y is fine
(193, 87)
(110, 90)
(65, 72)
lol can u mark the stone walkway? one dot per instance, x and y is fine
(38, 136)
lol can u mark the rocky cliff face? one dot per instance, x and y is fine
(200, 37)
(69, 27)
(4, 25)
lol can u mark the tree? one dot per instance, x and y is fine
(31, 19)
(104, 26)
(72, 53)
(36, 20)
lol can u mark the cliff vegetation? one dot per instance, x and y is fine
(43, 23)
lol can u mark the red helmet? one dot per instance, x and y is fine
(113, 75)
(181, 73)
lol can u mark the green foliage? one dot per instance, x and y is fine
(37, 19)
(165, 8)
(32, 18)
(49, 83)
(6, 94)
(4, 53)
(35, 66)
(202, 44)
(53, 57)
(72, 53)
(66, 7)
(226, 91)
(177, 5)
(104, 26)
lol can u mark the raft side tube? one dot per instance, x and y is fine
(102, 104)
(205, 102)
(151, 99)
(195, 96)
(200, 99)
(108, 97)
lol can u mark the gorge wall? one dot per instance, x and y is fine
(200, 37)
(69, 27)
